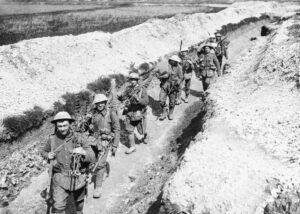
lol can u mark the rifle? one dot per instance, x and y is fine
(222, 40)
(180, 46)
(49, 190)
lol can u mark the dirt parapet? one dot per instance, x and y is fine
(250, 140)
(39, 71)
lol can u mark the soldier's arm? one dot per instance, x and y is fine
(217, 64)
(46, 149)
(144, 99)
(115, 128)
(180, 72)
(122, 96)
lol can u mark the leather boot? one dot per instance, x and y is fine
(131, 143)
(186, 100)
(130, 150)
(97, 192)
(171, 113)
(146, 138)
(163, 114)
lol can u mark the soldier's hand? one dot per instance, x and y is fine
(79, 150)
(91, 127)
(51, 155)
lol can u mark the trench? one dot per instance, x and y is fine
(151, 202)
(182, 143)
(184, 134)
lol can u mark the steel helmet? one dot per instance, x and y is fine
(175, 58)
(100, 98)
(62, 115)
(218, 35)
(184, 49)
(134, 75)
(207, 45)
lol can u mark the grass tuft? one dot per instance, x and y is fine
(101, 85)
(120, 79)
(294, 30)
(35, 117)
(20, 124)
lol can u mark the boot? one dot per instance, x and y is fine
(131, 144)
(130, 150)
(163, 114)
(97, 192)
(171, 113)
(186, 100)
(178, 101)
(146, 139)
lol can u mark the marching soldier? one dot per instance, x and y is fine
(170, 83)
(136, 99)
(104, 126)
(221, 48)
(208, 66)
(70, 159)
(187, 69)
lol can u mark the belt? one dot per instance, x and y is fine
(70, 173)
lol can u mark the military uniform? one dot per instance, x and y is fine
(209, 64)
(104, 127)
(187, 69)
(65, 182)
(220, 51)
(135, 111)
(169, 87)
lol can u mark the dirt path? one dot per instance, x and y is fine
(126, 169)
(247, 150)
(119, 183)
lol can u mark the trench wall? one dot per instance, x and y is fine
(39, 71)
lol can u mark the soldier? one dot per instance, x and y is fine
(208, 63)
(70, 159)
(170, 83)
(104, 126)
(221, 48)
(187, 69)
(136, 99)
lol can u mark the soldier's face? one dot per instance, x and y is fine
(207, 49)
(63, 127)
(100, 106)
(133, 82)
(183, 53)
(173, 63)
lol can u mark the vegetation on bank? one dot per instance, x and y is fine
(17, 126)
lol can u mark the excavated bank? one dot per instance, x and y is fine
(247, 156)
(39, 71)
(146, 194)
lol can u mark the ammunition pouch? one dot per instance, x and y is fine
(68, 181)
